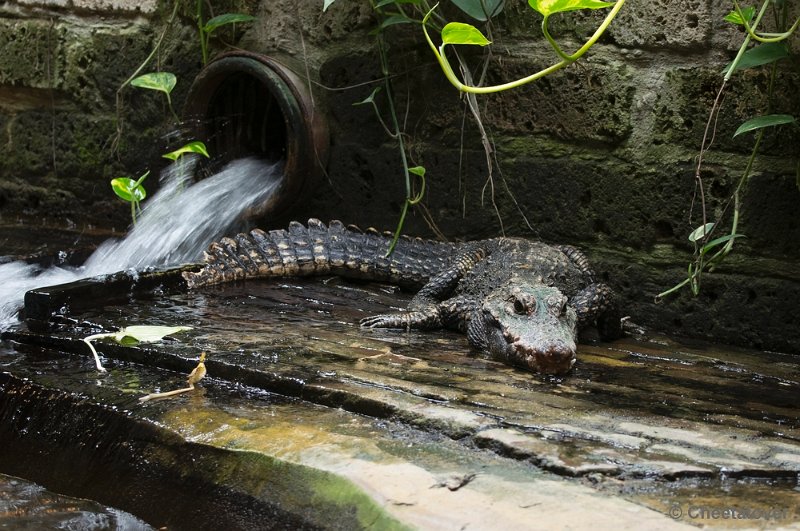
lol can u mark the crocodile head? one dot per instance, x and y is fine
(528, 325)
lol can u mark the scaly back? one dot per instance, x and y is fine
(318, 249)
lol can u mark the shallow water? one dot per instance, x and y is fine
(310, 327)
(665, 424)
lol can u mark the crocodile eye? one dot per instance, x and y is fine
(558, 305)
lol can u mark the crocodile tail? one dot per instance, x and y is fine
(319, 249)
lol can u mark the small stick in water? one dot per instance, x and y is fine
(195, 376)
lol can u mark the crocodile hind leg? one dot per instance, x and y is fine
(597, 305)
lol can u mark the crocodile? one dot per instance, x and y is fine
(520, 300)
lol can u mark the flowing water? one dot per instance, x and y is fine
(174, 228)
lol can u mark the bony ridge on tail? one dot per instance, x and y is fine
(520, 300)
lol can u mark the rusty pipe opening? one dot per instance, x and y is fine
(244, 104)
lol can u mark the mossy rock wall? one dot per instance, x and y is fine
(67, 126)
(601, 155)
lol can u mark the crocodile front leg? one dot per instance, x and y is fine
(596, 304)
(424, 319)
(429, 308)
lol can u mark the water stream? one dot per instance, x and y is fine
(175, 226)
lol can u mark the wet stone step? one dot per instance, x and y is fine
(641, 409)
(232, 457)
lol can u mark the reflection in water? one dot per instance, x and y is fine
(25, 505)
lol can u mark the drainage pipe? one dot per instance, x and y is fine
(244, 104)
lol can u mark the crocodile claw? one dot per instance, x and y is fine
(385, 320)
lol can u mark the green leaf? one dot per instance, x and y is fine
(734, 18)
(767, 120)
(326, 4)
(700, 232)
(132, 335)
(127, 189)
(459, 33)
(384, 3)
(718, 241)
(481, 10)
(763, 54)
(394, 20)
(191, 147)
(370, 98)
(548, 7)
(417, 170)
(163, 81)
(142, 178)
(228, 18)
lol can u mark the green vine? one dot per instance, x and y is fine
(394, 12)
(459, 33)
(131, 190)
(710, 252)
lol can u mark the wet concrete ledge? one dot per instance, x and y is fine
(194, 465)
(129, 461)
(621, 444)
(395, 419)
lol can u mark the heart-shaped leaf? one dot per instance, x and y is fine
(767, 120)
(481, 10)
(127, 189)
(163, 81)
(548, 7)
(370, 98)
(132, 335)
(763, 54)
(700, 232)
(734, 18)
(460, 33)
(719, 241)
(192, 147)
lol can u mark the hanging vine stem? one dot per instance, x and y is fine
(701, 263)
(764, 37)
(393, 129)
(566, 60)
(397, 134)
(118, 136)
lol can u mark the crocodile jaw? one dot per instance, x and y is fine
(541, 340)
(556, 357)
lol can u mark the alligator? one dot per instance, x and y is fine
(520, 300)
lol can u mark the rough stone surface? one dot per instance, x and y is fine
(304, 410)
(664, 23)
(599, 155)
(588, 105)
(125, 6)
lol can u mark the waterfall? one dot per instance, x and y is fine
(175, 226)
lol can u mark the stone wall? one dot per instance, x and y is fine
(600, 155)
(64, 137)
